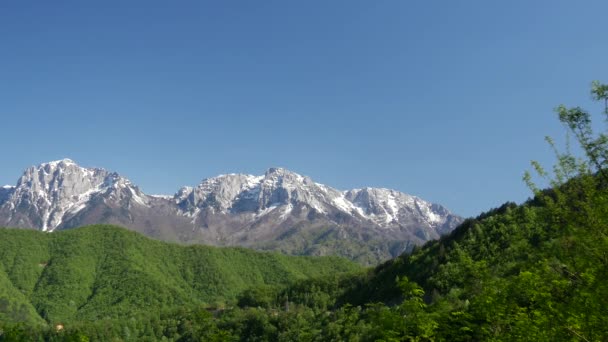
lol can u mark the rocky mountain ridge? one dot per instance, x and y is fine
(270, 211)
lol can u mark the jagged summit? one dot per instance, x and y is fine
(280, 190)
(51, 192)
(230, 209)
(279, 171)
(54, 163)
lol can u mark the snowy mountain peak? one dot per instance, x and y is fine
(280, 191)
(51, 190)
(62, 162)
(216, 192)
(230, 209)
(279, 173)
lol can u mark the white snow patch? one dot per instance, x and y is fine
(194, 215)
(288, 209)
(168, 197)
(136, 197)
(53, 164)
(76, 208)
(392, 204)
(252, 181)
(431, 216)
(266, 210)
(343, 204)
(45, 219)
(361, 211)
(315, 205)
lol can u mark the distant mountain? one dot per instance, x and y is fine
(280, 210)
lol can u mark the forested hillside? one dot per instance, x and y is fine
(103, 271)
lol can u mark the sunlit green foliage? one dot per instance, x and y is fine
(102, 272)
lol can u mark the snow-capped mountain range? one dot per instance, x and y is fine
(259, 211)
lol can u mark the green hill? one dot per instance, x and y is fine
(108, 272)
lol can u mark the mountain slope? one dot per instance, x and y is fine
(280, 210)
(103, 271)
(51, 194)
(532, 272)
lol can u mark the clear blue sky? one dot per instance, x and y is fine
(447, 100)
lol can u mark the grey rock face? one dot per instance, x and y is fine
(49, 193)
(5, 193)
(280, 191)
(257, 211)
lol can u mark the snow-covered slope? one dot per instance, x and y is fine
(233, 209)
(280, 190)
(49, 193)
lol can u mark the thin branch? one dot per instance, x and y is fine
(577, 334)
